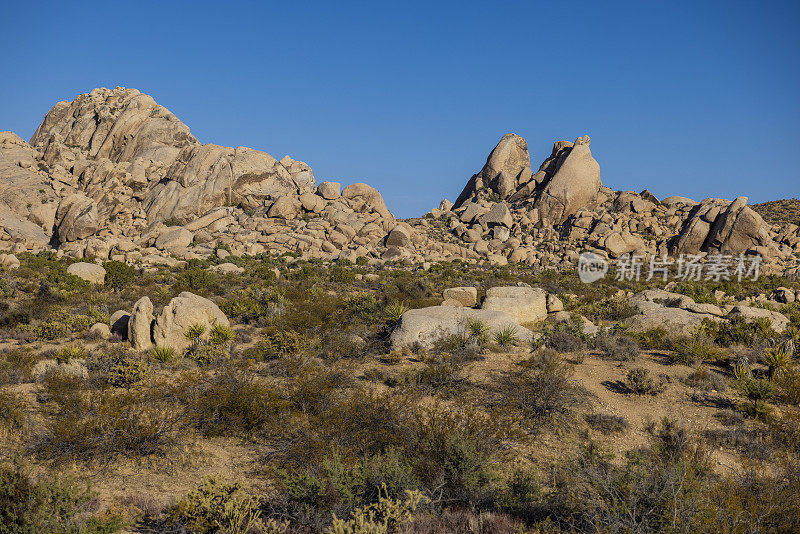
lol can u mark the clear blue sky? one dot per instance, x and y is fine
(692, 98)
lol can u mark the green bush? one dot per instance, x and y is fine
(216, 506)
(119, 275)
(198, 280)
(51, 505)
(125, 370)
(639, 382)
(737, 331)
(12, 411)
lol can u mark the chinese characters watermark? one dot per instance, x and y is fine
(687, 267)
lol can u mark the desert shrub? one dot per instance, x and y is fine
(279, 344)
(617, 347)
(565, 337)
(100, 426)
(12, 411)
(749, 442)
(639, 382)
(198, 280)
(656, 489)
(758, 390)
(698, 292)
(653, 338)
(232, 401)
(60, 323)
(69, 353)
(788, 385)
(691, 350)
(541, 389)
(386, 515)
(361, 308)
(52, 505)
(217, 506)
(440, 375)
(118, 275)
(737, 331)
(16, 365)
(610, 309)
(704, 379)
(606, 423)
(342, 275)
(125, 370)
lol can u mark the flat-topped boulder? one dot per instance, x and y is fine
(427, 325)
(523, 304)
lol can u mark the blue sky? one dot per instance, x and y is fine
(692, 98)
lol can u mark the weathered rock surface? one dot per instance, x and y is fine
(140, 324)
(574, 185)
(523, 304)
(427, 325)
(466, 296)
(182, 312)
(91, 272)
(507, 165)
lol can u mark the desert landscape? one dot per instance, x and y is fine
(200, 338)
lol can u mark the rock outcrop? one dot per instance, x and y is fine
(425, 326)
(183, 312)
(575, 183)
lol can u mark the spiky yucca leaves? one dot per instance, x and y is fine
(478, 331)
(506, 337)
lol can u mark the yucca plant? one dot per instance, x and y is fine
(741, 372)
(478, 331)
(220, 334)
(777, 359)
(163, 353)
(394, 312)
(506, 337)
(195, 331)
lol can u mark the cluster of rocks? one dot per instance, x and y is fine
(680, 314)
(503, 307)
(144, 329)
(509, 214)
(114, 175)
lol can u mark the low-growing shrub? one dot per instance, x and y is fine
(100, 426)
(691, 350)
(606, 423)
(737, 331)
(704, 379)
(639, 382)
(51, 505)
(118, 275)
(12, 411)
(541, 389)
(217, 506)
(125, 370)
(617, 347)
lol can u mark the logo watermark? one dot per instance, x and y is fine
(687, 267)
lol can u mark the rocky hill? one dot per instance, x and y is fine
(112, 174)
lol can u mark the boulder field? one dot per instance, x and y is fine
(114, 175)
